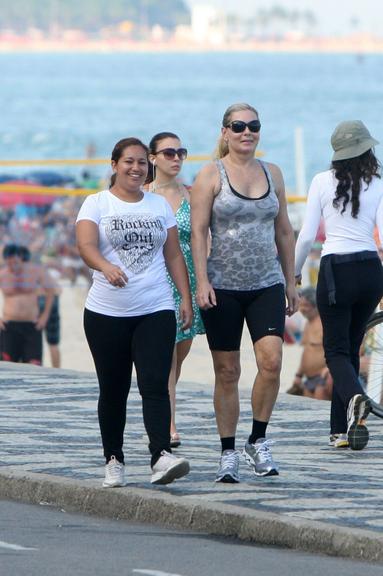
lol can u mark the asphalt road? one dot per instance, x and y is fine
(40, 540)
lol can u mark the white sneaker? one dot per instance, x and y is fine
(358, 409)
(114, 474)
(338, 441)
(228, 467)
(169, 467)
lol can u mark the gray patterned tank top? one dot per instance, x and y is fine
(243, 252)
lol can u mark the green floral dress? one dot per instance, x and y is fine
(184, 232)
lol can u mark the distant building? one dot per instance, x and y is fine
(207, 25)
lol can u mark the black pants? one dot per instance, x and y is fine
(359, 287)
(116, 343)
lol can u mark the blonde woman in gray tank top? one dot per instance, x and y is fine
(248, 276)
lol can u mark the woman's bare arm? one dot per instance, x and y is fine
(176, 266)
(202, 196)
(285, 241)
(88, 246)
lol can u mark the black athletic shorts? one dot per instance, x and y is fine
(22, 342)
(52, 329)
(264, 311)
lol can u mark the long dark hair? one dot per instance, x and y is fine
(118, 151)
(153, 147)
(350, 173)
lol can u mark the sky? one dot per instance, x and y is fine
(334, 16)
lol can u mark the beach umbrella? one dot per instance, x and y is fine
(7, 178)
(10, 197)
(49, 178)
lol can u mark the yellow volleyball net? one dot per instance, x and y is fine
(14, 187)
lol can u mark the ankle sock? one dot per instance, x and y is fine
(258, 431)
(228, 443)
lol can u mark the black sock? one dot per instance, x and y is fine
(258, 431)
(228, 443)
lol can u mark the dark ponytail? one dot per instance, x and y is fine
(151, 173)
(112, 180)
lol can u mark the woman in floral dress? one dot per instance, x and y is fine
(167, 156)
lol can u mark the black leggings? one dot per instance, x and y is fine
(359, 287)
(116, 343)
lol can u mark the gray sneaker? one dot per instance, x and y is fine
(228, 467)
(338, 441)
(258, 456)
(358, 409)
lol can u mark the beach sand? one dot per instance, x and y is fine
(197, 367)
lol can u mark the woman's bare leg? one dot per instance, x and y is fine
(181, 350)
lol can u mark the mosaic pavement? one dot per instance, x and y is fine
(48, 423)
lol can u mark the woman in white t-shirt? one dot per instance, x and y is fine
(349, 198)
(129, 238)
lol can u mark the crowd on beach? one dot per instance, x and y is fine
(171, 262)
(49, 233)
(44, 237)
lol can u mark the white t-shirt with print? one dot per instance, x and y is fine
(131, 235)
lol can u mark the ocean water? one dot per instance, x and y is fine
(54, 105)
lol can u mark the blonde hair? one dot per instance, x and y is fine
(222, 147)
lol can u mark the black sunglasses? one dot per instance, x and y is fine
(171, 153)
(238, 126)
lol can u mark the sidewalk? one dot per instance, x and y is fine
(324, 500)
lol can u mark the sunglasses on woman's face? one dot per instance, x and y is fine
(238, 126)
(171, 153)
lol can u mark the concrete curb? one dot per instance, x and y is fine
(155, 507)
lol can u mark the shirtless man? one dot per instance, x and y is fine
(21, 323)
(312, 378)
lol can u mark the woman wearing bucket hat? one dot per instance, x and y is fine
(349, 198)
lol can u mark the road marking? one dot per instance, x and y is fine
(154, 572)
(14, 546)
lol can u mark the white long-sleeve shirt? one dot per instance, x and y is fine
(344, 234)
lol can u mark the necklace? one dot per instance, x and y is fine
(179, 190)
(155, 187)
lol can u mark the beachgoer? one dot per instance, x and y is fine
(166, 157)
(52, 328)
(72, 265)
(129, 237)
(349, 197)
(242, 200)
(22, 322)
(312, 378)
